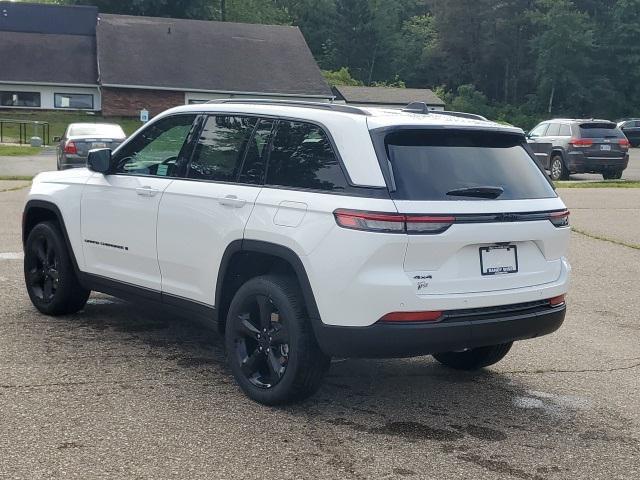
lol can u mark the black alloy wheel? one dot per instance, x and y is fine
(50, 278)
(271, 348)
(261, 341)
(42, 269)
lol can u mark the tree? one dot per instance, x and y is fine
(340, 77)
(562, 50)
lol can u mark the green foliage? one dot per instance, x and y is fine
(340, 77)
(579, 57)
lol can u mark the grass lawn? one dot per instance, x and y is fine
(600, 184)
(58, 122)
(14, 151)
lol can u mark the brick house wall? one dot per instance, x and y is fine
(127, 102)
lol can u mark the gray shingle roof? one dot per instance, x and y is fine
(388, 96)
(202, 55)
(47, 58)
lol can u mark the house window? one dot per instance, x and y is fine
(19, 99)
(80, 101)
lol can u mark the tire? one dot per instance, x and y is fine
(50, 278)
(266, 368)
(612, 175)
(557, 170)
(475, 358)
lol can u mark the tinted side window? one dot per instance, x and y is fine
(554, 130)
(565, 130)
(158, 149)
(220, 148)
(302, 157)
(539, 130)
(254, 164)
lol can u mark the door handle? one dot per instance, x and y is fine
(232, 201)
(147, 191)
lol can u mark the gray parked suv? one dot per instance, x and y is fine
(580, 146)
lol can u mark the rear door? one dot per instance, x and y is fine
(490, 190)
(202, 213)
(539, 145)
(120, 210)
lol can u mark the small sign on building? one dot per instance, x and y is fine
(144, 115)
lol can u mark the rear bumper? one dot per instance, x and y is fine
(466, 330)
(578, 162)
(70, 161)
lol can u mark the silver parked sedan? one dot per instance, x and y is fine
(79, 138)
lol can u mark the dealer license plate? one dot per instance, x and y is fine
(498, 259)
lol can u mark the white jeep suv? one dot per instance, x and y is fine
(308, 231)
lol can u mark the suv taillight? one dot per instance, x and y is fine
(624, 143)
(560, 219)
(581, 142)
(392, 222)
(70, 147)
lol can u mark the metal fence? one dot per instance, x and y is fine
(9, 128)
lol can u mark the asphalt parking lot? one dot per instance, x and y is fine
(120, 391)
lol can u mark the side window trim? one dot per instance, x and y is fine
(267, 153)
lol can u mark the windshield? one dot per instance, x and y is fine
(97, 129)
(463, 165)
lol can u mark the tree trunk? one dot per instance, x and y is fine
(373, 63)
(553, 92)
(223, 10)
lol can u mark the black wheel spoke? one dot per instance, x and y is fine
(40, 251)
(250, 364)
(48, 288)
(35, 277)
(247, 328)
(265, 308)
(275, 367)
(280, 335)
(50, 254)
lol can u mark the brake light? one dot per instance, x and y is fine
(396, 317)
(560, 219)
(392, 222)
(624, 143)
(70, 147)
(581, 142)
(557, 301)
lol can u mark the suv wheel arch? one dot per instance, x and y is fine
(37, 211)
(269, 254)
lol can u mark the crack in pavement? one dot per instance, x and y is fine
(594, 236)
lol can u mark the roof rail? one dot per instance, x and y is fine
(422, 107)
(336, 107)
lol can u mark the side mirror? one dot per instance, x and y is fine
(57, 139)
(99, 160)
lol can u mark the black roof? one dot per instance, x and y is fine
(55, 19)
(209, 56)
(47, 58)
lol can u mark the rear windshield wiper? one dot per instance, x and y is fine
(480, 192)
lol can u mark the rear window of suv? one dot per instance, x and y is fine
(600, 130)
(428, 164)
